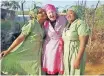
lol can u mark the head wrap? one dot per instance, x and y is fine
(78, 10)
(33, 12)
(49, 7)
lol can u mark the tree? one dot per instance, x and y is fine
(99, 16)
(5, 4)
(14, 5)
(22, 8)
(9, 7)
(64, 11)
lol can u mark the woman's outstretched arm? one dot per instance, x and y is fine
(18, 40)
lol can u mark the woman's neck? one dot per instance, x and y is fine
(53, 23)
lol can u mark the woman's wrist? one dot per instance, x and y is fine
(78, 58)
(8, 50)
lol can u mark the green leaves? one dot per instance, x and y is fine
(10, 5)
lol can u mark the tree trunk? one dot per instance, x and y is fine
(23, 11)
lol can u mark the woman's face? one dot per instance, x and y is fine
(71, 16)
(41, 15)
(51, 15)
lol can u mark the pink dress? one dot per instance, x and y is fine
(53, 47)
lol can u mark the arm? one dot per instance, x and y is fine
(82, 46)
(19, 39)
(83, 41)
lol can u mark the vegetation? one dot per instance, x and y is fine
(10, 5)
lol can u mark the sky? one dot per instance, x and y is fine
(58, 3)
(62, 3)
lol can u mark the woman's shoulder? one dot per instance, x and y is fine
(36, 21)
(82, 24)
(79, 22)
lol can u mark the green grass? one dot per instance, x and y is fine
(20, 13)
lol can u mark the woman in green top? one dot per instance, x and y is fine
(25, 59)
(75, 38)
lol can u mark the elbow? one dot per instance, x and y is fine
(21, 38)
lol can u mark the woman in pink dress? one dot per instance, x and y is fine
(53, 44)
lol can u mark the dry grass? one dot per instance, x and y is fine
(95, 49)
(94, 69)
(95, 54)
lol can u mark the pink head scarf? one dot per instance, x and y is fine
(49, 7)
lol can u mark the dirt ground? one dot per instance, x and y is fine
(94, 69)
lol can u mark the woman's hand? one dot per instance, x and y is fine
(4, 53)
(76, 64)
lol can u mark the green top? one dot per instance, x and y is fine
(26, 58)
(71, 46)
(78, 27)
